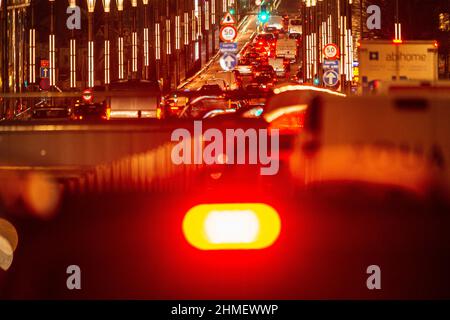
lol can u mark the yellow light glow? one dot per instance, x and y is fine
(107, 5)
(119, 5)
(231, 226)
(91, 5)
(288, 88)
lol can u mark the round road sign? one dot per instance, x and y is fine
(331, 51)
(228, 33)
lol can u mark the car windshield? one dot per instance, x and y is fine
(265, 68)
(265, 37)
(199, 107)
(263, 78)
(134, 85)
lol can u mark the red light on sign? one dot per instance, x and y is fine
(87, 96)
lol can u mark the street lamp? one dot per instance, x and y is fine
(91, 7)
(107, 9)
(120, 39)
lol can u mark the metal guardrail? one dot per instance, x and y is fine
(149, 171)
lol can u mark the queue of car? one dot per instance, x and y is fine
(263, 63)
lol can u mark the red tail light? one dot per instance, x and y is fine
(288, 120)
(231, 226)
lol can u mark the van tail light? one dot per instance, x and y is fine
(158, 113)
(231, 226)
(289, 120)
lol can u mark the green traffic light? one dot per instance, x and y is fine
(264, 17)
(232, 11)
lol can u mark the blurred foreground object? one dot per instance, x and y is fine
(8, 243)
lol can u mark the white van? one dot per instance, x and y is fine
(230, 79)
(278, 66)
(287, 48)
(295, 26)
(275, 22)
(399, 141)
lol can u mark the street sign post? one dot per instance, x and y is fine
(228, 61)
(44, 72)
(228, 33)
(228, 19)
(331, 51)
(228, 47)
(45, 63)
(331, 64)
(44, 83)
(330, 78)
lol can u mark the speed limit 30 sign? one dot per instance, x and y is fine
(331, 51)
(228, 33)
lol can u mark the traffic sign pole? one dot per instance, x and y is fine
(228, 33)
(228, 46)
(330, 78)
(228, 61)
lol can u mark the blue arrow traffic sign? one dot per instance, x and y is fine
(228, 47)
(331, 64)
(228, 61)
(330, 78)
(44, 72)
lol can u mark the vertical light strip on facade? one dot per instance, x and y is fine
(107, 62)
(134, 51)
(168, 35)
(146, 48)
(157, 41)
(73, 66)
(177, 32)
(120, 45)
(194, 28)
(52, 58)
(213, 12)
(207, 15)
(186, 28)
(90, 64)
(32, 56)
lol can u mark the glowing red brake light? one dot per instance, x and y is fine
(288, 120)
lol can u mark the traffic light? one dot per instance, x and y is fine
(316, 80)
(264, 14)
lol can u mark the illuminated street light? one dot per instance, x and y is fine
(91, 7)
(107, 9)
(120, 38)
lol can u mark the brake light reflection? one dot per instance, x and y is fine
(231, 226)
